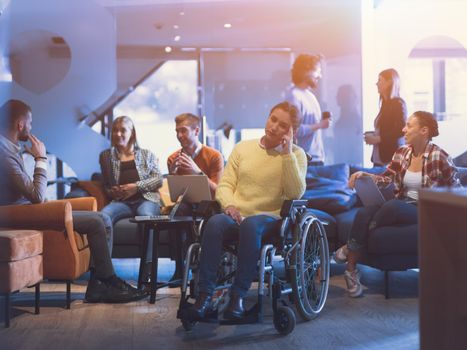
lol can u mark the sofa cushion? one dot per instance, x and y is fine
(326, 188)
(19, 244)
(339, 172)
(375, 170)
(393, 240)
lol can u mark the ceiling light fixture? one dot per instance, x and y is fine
(182, 13)
(227, 25)
(177, 38)
(168, 49)
(176, 26)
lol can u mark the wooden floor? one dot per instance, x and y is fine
(370, 322)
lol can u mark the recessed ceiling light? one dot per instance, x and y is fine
(177, 38)
(182, 13)
(168, 49)
(227, 25)
(175, 26)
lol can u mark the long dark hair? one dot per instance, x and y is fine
(392, 76)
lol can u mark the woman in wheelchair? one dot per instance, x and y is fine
(259, 176)
(418, 164)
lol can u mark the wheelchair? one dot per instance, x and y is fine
(303, 248)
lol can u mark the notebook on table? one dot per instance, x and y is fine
(164, 217)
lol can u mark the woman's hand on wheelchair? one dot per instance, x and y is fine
(233, 213)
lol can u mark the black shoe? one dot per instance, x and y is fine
(235, 308)
(199, 308)
(111, 290)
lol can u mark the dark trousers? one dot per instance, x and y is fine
(395, 212)
(221, 229)
(96, 226)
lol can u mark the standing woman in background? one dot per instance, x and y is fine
(390, 121)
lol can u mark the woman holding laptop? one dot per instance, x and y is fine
(418, 164)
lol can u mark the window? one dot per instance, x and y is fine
(154, 104)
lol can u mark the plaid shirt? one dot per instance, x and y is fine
(147, 166)
(438, 170)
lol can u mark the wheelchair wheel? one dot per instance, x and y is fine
(284, 320)
(225, 277)
(310, 278)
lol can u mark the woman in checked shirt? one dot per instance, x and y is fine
(417, 164)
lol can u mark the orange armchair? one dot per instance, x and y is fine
(66, 253)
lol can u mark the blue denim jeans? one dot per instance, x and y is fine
(126, 209)
(117, 210)
(221, 229)
(395, 212)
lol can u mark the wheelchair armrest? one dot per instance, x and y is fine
(289, 205)
(207, 209)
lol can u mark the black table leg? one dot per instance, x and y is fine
(142, 263)
(154, 265)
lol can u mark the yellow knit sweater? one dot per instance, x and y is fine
(257, 181)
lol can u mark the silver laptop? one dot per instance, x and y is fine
(368, 192)
(164, 217)
(197, 187)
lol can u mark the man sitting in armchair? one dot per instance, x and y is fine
(16, 187)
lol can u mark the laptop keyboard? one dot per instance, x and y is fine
(152, 217)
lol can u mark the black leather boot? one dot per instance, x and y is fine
(199, 308)
(235, 309)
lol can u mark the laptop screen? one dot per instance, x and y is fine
(368, 191)
(177, 204)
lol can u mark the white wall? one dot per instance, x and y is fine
(390, 31)
(5, 84)
(90, 32)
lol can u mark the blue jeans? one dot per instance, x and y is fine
(395, 212)
(117, 210)
(221, 229)
(126, 209)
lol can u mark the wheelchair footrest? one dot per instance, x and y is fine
(251, 316)
(183, 314)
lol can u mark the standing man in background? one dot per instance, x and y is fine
(306, 73)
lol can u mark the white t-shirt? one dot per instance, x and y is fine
(308, 105)
(412, 183)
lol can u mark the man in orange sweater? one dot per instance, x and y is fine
(191, 159)
(194, 158)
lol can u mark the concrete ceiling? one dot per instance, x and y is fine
(329, 26)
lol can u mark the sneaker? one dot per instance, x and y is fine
(112, 290)
(340, 256)
(352, 279)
